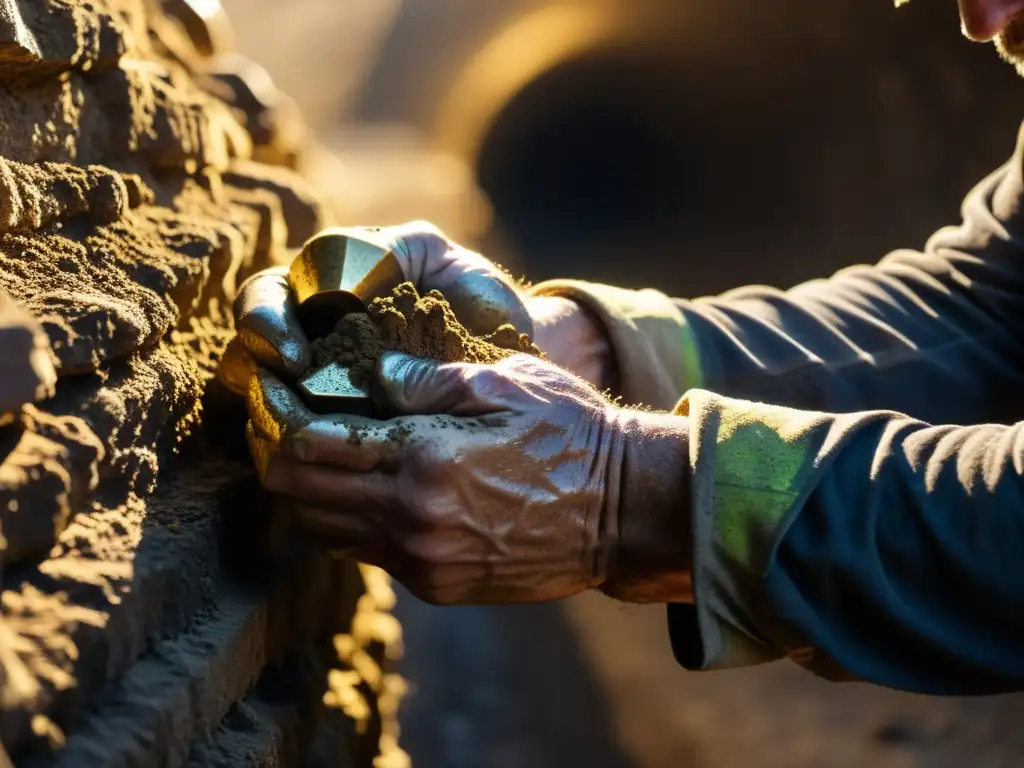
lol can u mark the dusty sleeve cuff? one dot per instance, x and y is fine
(753, 467)
(655, 351)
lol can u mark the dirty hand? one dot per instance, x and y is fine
(481, 294)
(529, 486)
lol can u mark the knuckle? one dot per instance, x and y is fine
(527, 370)
(266, 288)
(416, 378)
(420, 236)
(495, 382)
(521, 362)
(422, 228)
(420, 515)
(478, 377)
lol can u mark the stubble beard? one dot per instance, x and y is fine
(1010, 44)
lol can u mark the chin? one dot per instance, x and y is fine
(1010, 44)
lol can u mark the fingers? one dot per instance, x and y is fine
(420, 248)
(275, 410)
(483, 302)
(266, 318)
(333, 523)
(482, 296)
(346, 442)
(411, 385)
(343, 534)
(362, 493)
(359, 494)
(354, 443)
(433, 260)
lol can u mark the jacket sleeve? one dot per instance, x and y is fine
(852, 536)
(936, 334)
(867, 546)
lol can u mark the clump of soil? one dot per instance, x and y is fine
(423, 326)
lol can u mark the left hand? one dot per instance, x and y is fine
(481, 294)
(530, 486)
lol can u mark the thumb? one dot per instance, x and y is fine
(267, 321)
(275, 411)
(413, 385)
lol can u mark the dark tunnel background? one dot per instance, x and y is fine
(700, 167)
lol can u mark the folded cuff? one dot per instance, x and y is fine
(655, 352)
(753, 467)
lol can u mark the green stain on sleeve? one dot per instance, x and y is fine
(761, 458)
(693, 370)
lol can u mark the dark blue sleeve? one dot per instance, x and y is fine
(936, 334)
(901, 561)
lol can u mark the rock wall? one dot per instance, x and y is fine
(156, 609)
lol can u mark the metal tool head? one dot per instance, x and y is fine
(330, 390)
(340, 271)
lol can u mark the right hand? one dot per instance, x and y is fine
(482, 295)
(512, 482)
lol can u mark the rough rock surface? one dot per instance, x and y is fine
(154, 608)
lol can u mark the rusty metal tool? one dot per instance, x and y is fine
(338, 272)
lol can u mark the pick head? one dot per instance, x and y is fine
(330, 390)
(339, 271)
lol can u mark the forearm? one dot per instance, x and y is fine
(937, 334)
(923, 529)
(864, 546)
(915, 334)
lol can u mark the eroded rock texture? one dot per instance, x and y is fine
(155, 610)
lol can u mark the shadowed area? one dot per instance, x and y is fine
(502, 687)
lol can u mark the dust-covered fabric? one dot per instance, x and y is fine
(838, 521)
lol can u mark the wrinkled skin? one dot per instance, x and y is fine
(515, 493)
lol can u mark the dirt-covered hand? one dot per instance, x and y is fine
(528, 486)
(481, 294)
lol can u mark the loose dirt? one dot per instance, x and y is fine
(422, 326)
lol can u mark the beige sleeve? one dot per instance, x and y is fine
(655, 352)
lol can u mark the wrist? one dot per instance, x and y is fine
(651, 557)
(574, 339)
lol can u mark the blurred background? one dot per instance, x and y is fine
(690, 145)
